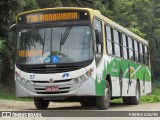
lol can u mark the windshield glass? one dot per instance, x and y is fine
(54, 45)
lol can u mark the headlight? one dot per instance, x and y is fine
(28, 82)
(85, 76)
(23, 81)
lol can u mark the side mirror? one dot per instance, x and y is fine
(11, 36)
(10, 33)
(99, 37)
(12, 28)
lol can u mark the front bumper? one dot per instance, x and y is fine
(66, 88)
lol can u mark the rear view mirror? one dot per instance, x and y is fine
(10, 33)
(11, 36)
(99, 37)
(13, 27)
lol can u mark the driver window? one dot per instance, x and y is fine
(98, 47)
(98, 27)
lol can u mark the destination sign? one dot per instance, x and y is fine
(51, 16)
(29, 53)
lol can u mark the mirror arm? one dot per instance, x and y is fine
(12, 27)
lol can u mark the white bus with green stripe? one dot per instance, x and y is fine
(77, 54)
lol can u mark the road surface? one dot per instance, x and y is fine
(12, 105)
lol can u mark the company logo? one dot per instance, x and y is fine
(6, 114)
(51, 65)
(65, 75)
(51, 80)
(20, 114)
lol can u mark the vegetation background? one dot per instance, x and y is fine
(140, 16)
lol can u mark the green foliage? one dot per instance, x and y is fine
(50, 3)
(11, 96)
(103, 8)
(6, 64)
(123, 13)
(30, 5)
(9, 10)
(155, 95)
(45, 3)
(137, 32)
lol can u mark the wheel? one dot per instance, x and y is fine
(135, 99)
(126, 100)
(87, 102)
(103, 102)
(40, 103)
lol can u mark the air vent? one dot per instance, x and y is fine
(44, 70)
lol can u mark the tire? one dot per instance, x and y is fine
(135, 99)
(103, 102)
(40, 103)
(126, 100)
(87, 102)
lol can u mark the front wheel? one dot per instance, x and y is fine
(103, 102)
(40, 103)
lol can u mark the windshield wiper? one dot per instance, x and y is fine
(65, 35)
(38, 35)
(44, 39)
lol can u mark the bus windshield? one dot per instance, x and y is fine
(54, 45)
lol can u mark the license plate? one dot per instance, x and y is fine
(52, 89)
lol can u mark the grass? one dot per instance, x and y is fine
(11, 96)
(155, 95)
(8, 93)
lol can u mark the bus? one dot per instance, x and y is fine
(77, 54)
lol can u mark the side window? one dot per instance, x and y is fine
(120, 44)
(124, 41)
(136, 51)
(146, 55)
(141, 53)
(98, 27)
(109, 40)
(116, 43)
(130, 45)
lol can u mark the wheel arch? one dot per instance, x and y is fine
(138, 81)
(108, 78)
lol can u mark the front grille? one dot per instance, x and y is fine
(59, 88)
(56, 81)
(52, 92)
(49, 70)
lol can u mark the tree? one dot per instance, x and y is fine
(9, 10)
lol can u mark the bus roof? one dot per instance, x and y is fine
(119, 27)
(98, 14)
(55, 8)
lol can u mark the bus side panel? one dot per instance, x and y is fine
(113, 71)
(100, 80)
(145, 80)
